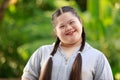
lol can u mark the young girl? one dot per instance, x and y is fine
(70, 57)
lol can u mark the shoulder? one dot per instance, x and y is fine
(46, 48)
(41, 52)
(93, 52)
(97, 62)
(94, 56)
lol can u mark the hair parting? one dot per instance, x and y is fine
(61, 10)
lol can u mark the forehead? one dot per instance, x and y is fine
(64, 18)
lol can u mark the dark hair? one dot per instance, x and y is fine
(77, 65)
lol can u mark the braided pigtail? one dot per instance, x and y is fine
(46, 75)
(55, 47)
(76, 72)
(83, 40)
(76, 68)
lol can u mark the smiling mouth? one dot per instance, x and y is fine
(70, 32)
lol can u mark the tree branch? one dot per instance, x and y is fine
(2, 8)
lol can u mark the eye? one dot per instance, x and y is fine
(72, 22)
(62, 26)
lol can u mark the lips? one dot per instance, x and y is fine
(69, 32)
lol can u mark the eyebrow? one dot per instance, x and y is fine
(67, 21)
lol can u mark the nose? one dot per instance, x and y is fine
(68, 27)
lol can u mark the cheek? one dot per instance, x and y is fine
(80, 28)
(58, 32)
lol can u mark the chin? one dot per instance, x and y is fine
(72, 42)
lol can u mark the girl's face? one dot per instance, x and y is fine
(68, 28)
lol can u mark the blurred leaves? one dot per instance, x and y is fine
(25, 25)
(102, 22)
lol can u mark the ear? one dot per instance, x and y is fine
(54, 30)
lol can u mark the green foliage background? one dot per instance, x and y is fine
(26, 25)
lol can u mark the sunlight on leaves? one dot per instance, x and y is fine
(13, 64)
(12, 8)
(117, 76)
(13, 2)
(60, 3)
(2, 60)
(23, 53)
(117, 5)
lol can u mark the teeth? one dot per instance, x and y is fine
(70, 33)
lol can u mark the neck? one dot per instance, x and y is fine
(76, 44)
(70, 48)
